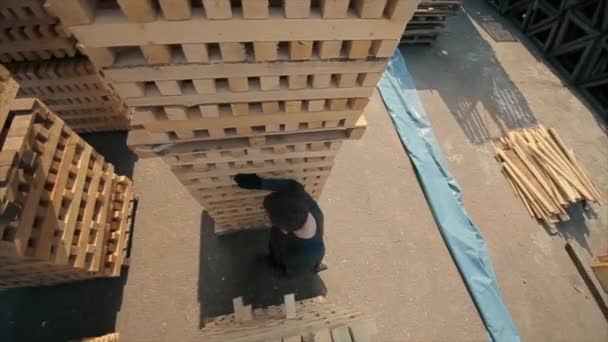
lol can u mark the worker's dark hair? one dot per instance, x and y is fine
(287, 210)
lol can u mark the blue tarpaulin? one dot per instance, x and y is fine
(461, 235)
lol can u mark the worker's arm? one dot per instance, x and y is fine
(253, 181)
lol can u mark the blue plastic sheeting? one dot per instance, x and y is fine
(460, 234)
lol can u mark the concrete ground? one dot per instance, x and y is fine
(385, 254)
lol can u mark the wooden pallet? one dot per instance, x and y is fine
(188, 95)
(233, 89)
(136, 70)
(187, 123)
(145, 143)
(307, 320)
(258, 30)
(74, 90)
(29, 33)
(56, 196)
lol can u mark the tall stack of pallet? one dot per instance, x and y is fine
(45, 60)
(254, 86)
(64, 213)
(572, 34)
(309, 320)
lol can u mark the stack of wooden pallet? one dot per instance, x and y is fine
(64, 213)
(308, 320)
(545, 174)
(429, 20)
(45, 61)
(253, 86)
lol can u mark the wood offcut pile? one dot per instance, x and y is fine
(429, 20)
(45, 61)
(222, 87)
(545, 174)
(64, 213)
(309, 320)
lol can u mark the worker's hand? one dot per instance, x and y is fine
(248, 181)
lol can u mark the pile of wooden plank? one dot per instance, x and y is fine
(64, 213)
(545, 174)
(429, 20)
(271, 87)
(309, 320)
(45, 60)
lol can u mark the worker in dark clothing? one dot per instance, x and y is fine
(296, 237)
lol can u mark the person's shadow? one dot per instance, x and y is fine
(232, 266)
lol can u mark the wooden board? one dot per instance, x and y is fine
(216, 89)
(132, 68)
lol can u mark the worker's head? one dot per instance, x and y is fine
(287, 210)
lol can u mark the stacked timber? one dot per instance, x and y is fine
(429, 20)
(223, 87)
(544, 174)
(572, 36)
(45, 60)
(64, 213)
(309, 320)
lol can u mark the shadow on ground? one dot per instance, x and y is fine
(576, 228)
(476, 81)
(231, 266)
(63, 312)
